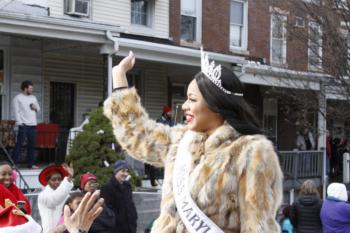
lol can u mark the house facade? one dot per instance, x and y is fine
(67, 48)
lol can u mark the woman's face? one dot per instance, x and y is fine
(198, 116)
(55, 180)
(75, 203)
(5, 175)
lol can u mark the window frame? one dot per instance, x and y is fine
(150, 15)
(284, 39)
(315, 67)
(198, 32)
(244, 35)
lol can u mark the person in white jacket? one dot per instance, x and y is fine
(58, 182)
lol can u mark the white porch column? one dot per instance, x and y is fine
(108, 50)
(322, 127)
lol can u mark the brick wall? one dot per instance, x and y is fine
(216, 25)
(216, 30)
(175, 20)
(259, 29)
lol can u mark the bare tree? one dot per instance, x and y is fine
(319, 31)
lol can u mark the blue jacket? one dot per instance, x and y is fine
(287, 226)
(335, 216)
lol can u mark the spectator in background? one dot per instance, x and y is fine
(300, 141)
(58, 183)
(286, 224)
(341, 149)
(73, 202)
(335, 212)
(104, 223)
(118, 197)
(309, 139)
(330, 157)
(8, 190)
(305, 212)
(165, 118)
(25, 107)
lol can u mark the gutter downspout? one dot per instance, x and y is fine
(107, 50)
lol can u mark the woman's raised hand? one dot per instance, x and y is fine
(128, 62)
(119, 71)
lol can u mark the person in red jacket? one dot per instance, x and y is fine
(8, 190)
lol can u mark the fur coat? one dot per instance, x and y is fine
(235, 180)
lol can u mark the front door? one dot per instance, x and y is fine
(62, 101)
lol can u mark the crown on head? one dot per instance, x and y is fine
(213, 72)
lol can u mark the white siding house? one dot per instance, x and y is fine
(118, 13)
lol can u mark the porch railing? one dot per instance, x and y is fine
(50, 146)
(301, 164)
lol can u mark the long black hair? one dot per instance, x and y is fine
(233, 108)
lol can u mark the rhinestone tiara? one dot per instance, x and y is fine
(213, 72)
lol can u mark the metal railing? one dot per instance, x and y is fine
(50, 146)
(301, 164)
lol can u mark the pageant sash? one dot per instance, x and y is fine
(193, 218)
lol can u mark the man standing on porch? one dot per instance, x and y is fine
(25, 107)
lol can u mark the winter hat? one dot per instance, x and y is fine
(119, 165)
(84, 178)
(166, 109)
(338, 191)
(48, 171)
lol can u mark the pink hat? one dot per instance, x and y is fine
(85, 178)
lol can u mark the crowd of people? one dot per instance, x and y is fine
(310, 214)
(116, 215)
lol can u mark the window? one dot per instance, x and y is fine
(278, 51)
(316, 2)
(141, 12)
(299, 22)
(315, 46)
(190, 20)
(238, 24)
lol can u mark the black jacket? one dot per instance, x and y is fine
(118, 197)
(104, 222)
(305, 214)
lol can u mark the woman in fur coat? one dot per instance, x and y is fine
(221, 174)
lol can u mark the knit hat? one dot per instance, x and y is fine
(338, 191)
(119, 165)
(166, 109)
(84, 178)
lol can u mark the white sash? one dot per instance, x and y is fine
(193, 218)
